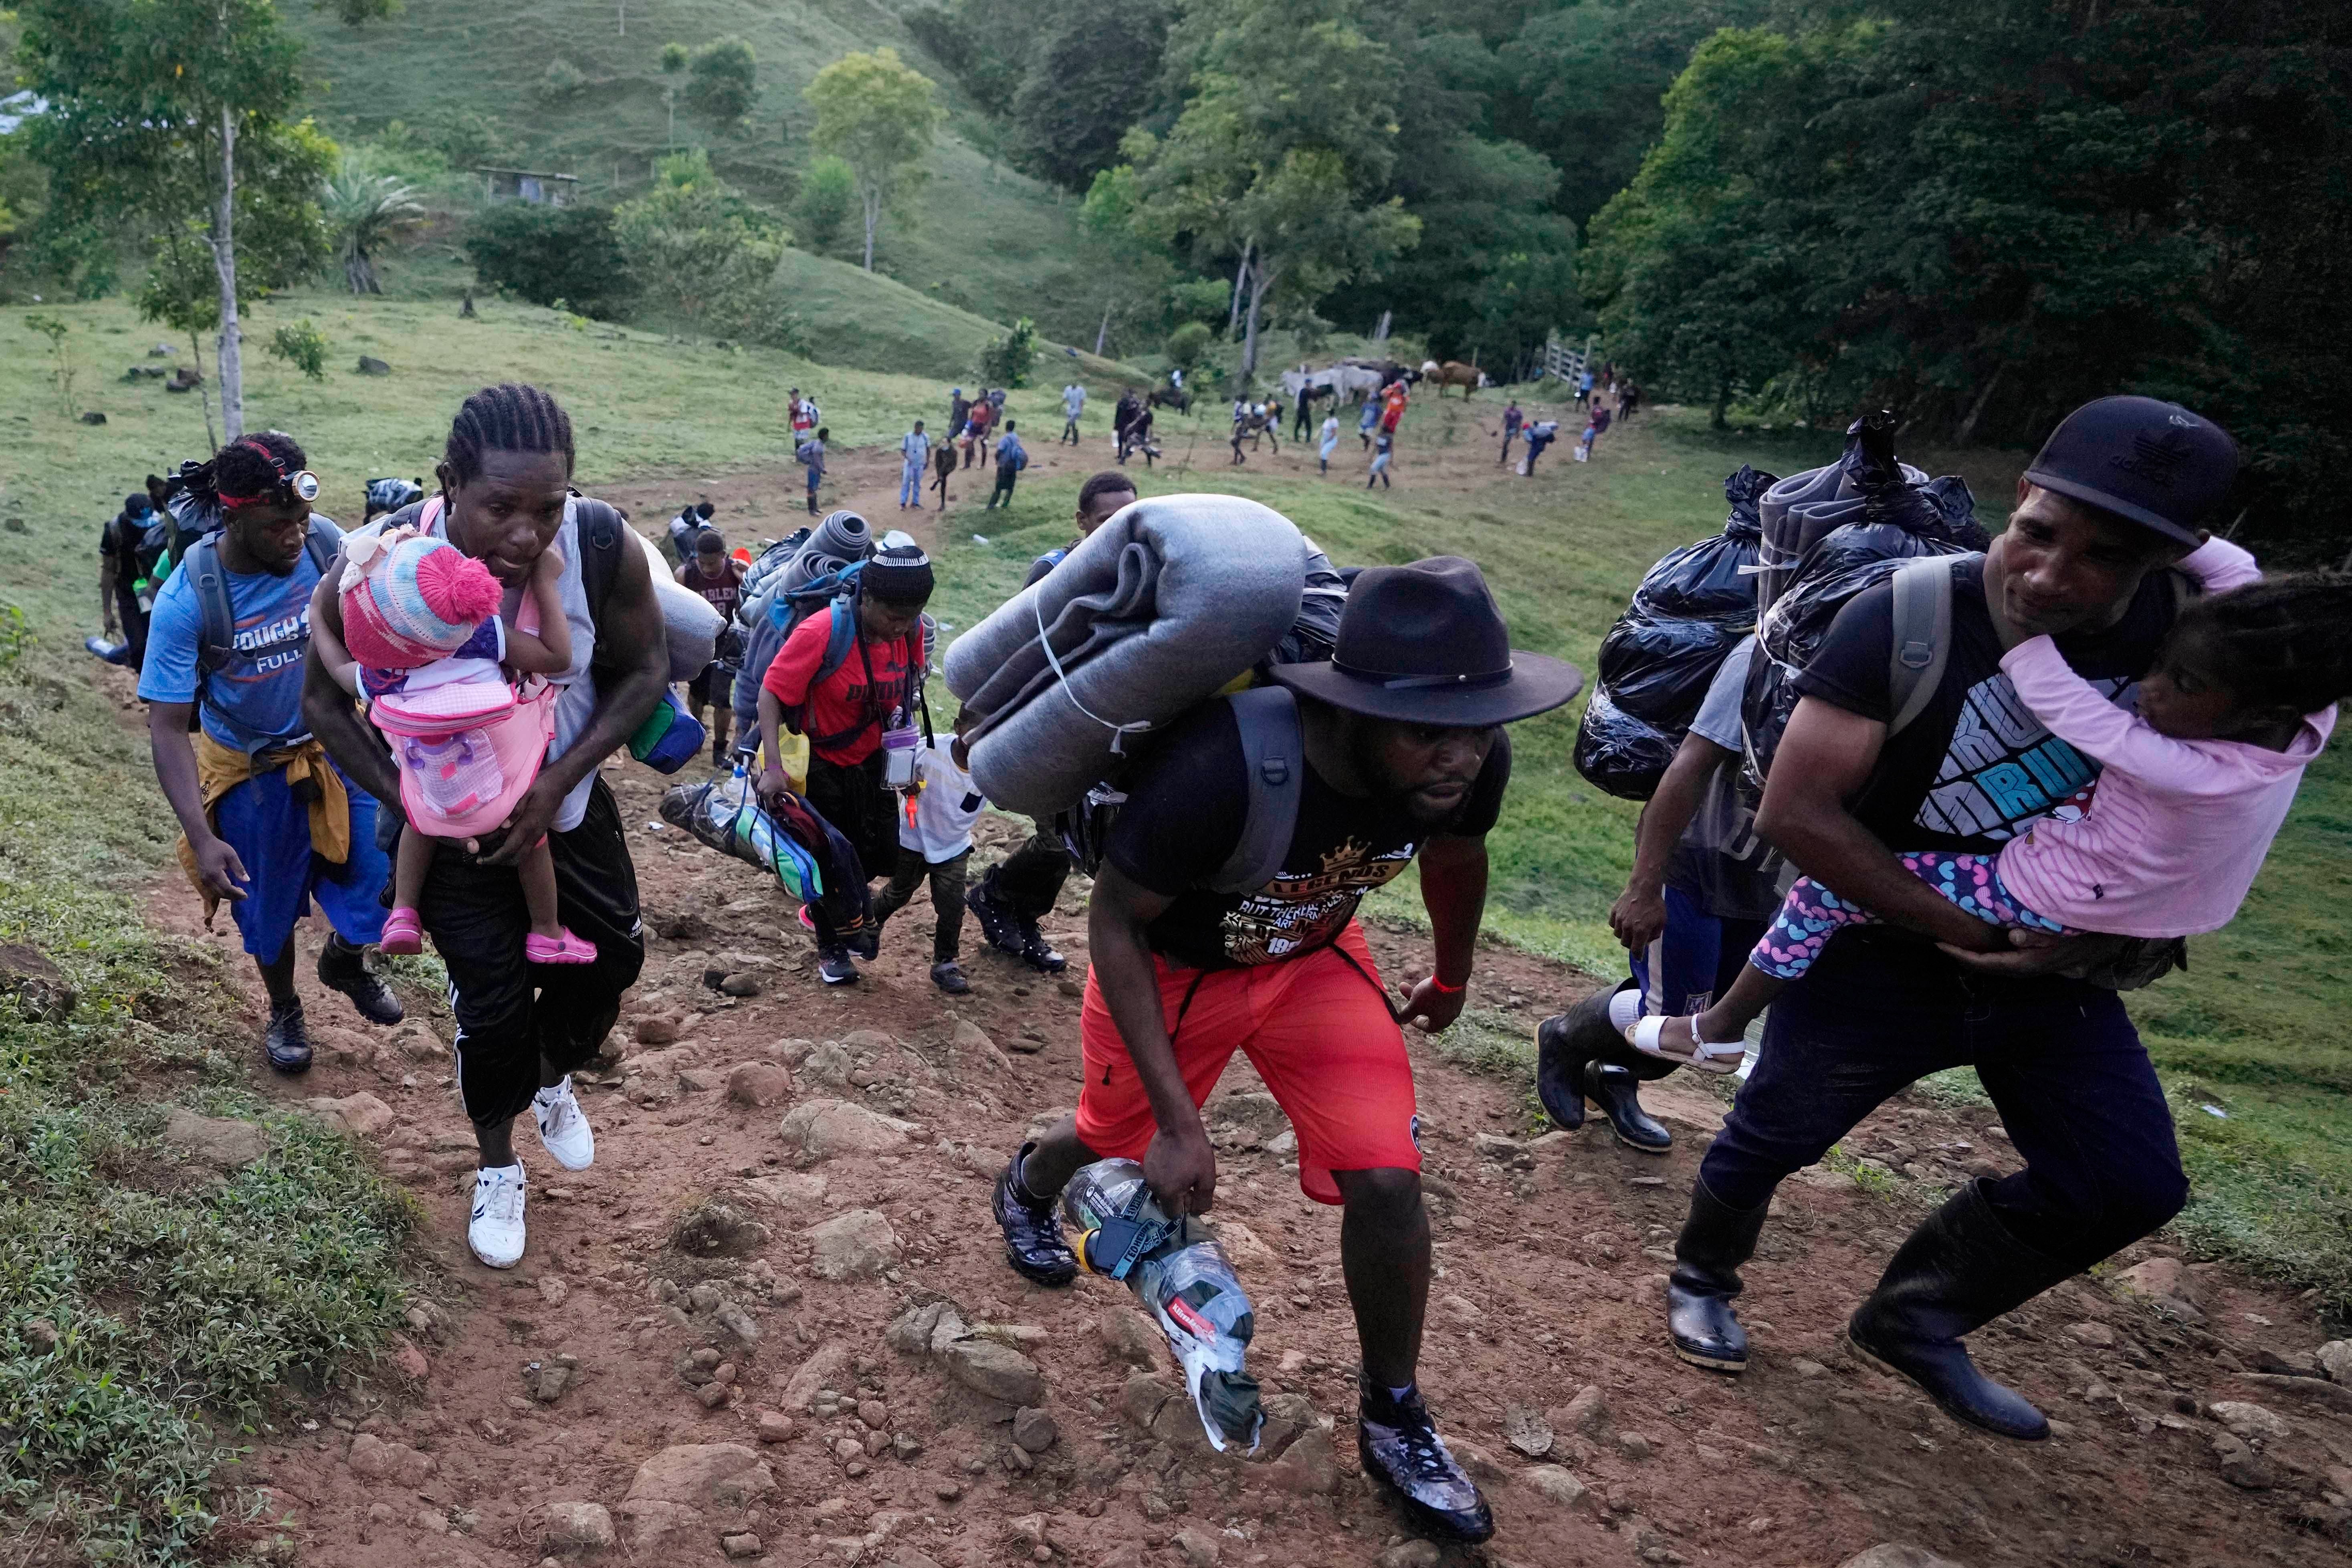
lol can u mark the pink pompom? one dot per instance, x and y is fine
(457, 587)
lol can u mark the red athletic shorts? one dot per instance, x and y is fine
(1319, 1033)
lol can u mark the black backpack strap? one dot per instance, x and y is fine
(600, 531)
(1274, 753)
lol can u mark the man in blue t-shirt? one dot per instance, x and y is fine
(268, 820)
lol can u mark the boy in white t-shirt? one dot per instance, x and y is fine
(936, 841)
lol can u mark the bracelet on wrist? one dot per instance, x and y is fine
(1445, 989)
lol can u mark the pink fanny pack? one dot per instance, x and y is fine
(507, 752)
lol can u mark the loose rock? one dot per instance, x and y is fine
(2250, 1423)
(998, 1371)
(1035, 1429)
(717, 1229)
(576, 1527)
(42, 992)
(1131, 1337)
(740, 1546)
(759, 1085)
(1557, 1484)
(1588, 1413)
(820, 1129)
(1411, 1554)
(1895, 1554)
(1525, 1429)
(2335, 1359)
(1200, 1549)
(1310, 1466)
(373, 1459)
(854, 1244)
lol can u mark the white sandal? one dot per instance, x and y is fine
(1707, 1056)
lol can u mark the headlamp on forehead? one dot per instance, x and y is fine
(305, 486)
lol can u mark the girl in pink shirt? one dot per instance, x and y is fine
(2193, 789)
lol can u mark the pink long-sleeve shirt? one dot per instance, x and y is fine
(2175, 829)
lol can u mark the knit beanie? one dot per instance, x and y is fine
(900, 576)
(412, 599)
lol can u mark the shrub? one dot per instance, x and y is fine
(1009, 360)
(725, 81)
(828, 200)
(543, 254)
(1188, 346)
(1208, 299)
(302, 345)
(562, 78)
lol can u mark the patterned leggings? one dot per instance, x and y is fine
(1812, 913)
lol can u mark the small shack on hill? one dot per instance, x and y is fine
(528, 186)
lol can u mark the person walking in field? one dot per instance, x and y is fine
(718, 578)
(1540, 434)
(1330, 441)
(1383, 447)
(268, 822)
(914, 461)
(1512, 420)
(975, 430)
(811, 457)
(943, 467)
(1011, 458)
(1368, 421)
(802, 411)
(1404, 756)
(1074, 402)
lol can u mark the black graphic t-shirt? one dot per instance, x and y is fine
(1976, 768)
(1184, 817)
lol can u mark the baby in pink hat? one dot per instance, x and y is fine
(438, 664)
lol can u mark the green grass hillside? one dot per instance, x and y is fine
(994, 242)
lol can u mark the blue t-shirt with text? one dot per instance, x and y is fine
(262, 689)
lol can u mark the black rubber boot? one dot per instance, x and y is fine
(1618, 1092)
(1715, 1240)
(1564, 1042)
(1959, 1271)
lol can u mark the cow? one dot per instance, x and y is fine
(1453, 372)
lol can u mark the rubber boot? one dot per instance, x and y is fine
(1564, 1042)
(1715, 1240)
(1618, 1092)
(1959, 1271)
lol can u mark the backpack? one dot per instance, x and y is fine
(1274, 758)
(216, 625)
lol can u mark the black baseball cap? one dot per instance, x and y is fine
(2148, 461)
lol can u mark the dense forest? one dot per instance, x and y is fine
(1773, 209)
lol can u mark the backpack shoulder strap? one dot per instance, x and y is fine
(321, 544)
(217, 619)
(1922, 643)
(600, 552)
(1273, 753)
(839, 638)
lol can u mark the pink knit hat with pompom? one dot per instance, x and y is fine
(411, 599)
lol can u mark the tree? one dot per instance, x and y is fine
(726, 80)
(674, 61)
(1097, 67)
(547, 253)
(364, 211)
(1280, 154)
(713, 252)
(828, 193)
(1011, 360)
(878, 115)
(171, 110)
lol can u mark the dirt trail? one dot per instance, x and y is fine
(1551, 1249)
(571, 1380)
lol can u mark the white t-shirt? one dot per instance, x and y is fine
(945, 811)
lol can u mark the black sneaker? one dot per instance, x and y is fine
(948, 976)
(1401, 1449)
(834, 967)
(287, 1041)
(343, 968)
(998, 923)
(1033, 1236)
(1037, 952)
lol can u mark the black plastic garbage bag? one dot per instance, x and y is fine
(1896, 514)
(1658, 660)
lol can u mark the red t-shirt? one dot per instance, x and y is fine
(847, 699)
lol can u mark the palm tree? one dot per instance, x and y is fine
(364, 211)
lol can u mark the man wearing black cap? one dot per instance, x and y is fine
(840, 693)
(1403, 753)
(2118, 494)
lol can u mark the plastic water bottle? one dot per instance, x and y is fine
(1181, 1275)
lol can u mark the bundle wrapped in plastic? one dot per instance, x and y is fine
(788, 567)
(810, 860)
(1656, 663)
(1181, 1275)
(1896, 514)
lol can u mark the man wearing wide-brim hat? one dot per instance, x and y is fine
(1403, 754)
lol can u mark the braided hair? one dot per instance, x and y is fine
(2280, 643)
(249, 471)
(509, 417)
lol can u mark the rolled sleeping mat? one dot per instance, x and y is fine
(689, 622)
(1162, 606)
(843, 537)
(1796, 513)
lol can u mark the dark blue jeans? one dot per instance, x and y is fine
(2060, 1058)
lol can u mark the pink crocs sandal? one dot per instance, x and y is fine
(403, 934)
(563, 948)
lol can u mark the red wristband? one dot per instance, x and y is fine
(1445, 989)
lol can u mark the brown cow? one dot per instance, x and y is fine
(1453, 372)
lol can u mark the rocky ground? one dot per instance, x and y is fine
(772, 1322)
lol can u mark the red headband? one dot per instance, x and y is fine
(249, 444)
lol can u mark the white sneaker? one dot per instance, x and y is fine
(496, 1232)
(564, 1126)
